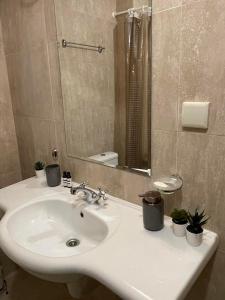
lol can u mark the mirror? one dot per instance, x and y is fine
(105, 63)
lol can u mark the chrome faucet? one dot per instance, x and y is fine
(90, 196)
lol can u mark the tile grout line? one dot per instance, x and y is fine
(179, 85)
(187, 132)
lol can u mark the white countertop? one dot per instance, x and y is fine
(135, 263)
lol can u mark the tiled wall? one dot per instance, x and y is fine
(10, 171)
(30, 45)
(188, 64)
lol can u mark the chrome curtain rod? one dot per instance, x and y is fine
(66, 44)
(144, 8)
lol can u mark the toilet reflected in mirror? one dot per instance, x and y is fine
(107, 158)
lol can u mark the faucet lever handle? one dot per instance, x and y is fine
(102, 193)
(83, 185)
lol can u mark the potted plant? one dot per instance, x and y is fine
(39, 169)
(194, 230)
(179, 218)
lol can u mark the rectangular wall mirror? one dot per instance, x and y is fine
(105, 63)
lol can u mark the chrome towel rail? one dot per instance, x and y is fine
(66, 44)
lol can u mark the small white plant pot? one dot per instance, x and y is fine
(179, 229)
(194, 239)
(40, 174)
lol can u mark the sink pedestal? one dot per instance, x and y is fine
(81, 286)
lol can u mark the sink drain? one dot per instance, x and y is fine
(72, 243)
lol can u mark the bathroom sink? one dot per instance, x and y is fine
(109, 244)
(56, 228)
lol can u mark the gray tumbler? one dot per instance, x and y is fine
(153, 210)
(53, 175)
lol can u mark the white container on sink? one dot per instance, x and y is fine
(179, 229)
(194, 239)
(40, 174)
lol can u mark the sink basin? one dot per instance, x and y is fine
(43, 229)
(113, 247)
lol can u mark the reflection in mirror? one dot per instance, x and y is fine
(105, 62)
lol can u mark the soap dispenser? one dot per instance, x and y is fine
(153, 210)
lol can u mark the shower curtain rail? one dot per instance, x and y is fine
(144, 8)
(66, 44)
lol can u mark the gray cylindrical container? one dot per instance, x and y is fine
(153, 210)
(53, 175)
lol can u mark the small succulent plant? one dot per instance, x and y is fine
(179, 216)
(39, 165)
(196, 221)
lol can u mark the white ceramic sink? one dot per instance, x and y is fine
(114, 247)
(45, 228)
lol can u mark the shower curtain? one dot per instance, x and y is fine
(138, 93)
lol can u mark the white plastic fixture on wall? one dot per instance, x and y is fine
(195, 114)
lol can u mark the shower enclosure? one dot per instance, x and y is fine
(134, 62)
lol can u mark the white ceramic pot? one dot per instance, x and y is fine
(179, 229)
(40, 174)
(194, 239)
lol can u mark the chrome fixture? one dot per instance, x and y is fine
(55, 154)
(133, 10)
(66, 44)
(168, 184)
(89, 195)
(73, 242)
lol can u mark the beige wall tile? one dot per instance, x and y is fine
(165, 68)
(5, 97)
(123, 4)
(25, 144)
(23, 24)
(30, 82)
(163, 153)
(203, 60)
(1, 37)
(56, 88)
(10, 171)
(50, 21)
(98, 8)
(36, 139)
(10, 177)
(8, 145)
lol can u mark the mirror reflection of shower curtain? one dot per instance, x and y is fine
(138, 93)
